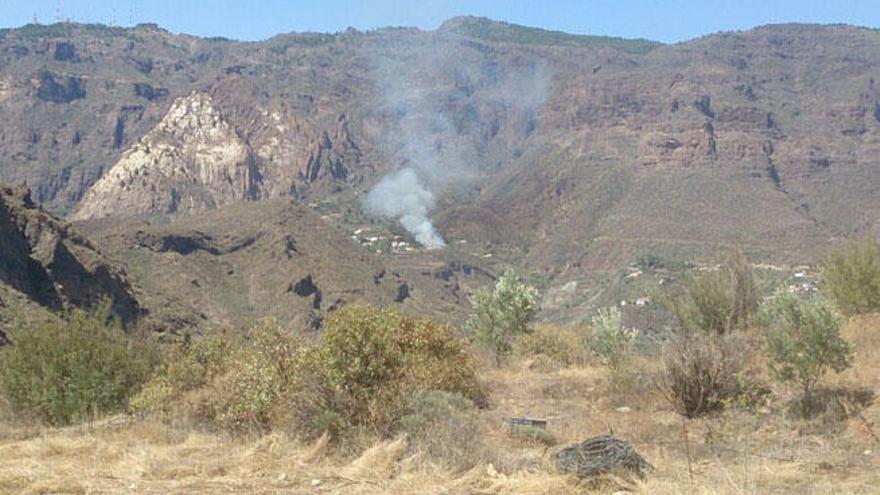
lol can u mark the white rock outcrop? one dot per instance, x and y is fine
(192, 159)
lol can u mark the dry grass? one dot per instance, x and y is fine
(739, 452)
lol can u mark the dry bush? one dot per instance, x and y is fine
(703, 373)
(372, 362)
(852, 275)
(555, 345)
(718, 301)
(225, 380)
(363, 372)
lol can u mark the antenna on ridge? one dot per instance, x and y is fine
(57, 11)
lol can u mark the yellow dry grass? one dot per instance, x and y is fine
(739, 452)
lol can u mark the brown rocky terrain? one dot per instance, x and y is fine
(275, 258)
(44, 263)
(562, 155)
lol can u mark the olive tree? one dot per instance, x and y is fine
(804, 341)
(500, 315)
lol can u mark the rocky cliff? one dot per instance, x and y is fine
(44, 260)
(195, 159)
(192, 160)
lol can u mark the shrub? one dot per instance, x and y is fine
(188, 367)
(500, 316)
(852, 275)
(701, 373)
(249, 394)
(611, 343)
(560, 346)
(362, 372)
(533, 434)
(373, 360)
(226, 380)
(713, 302)
(719, 301)
(65, 370)
(804, 342)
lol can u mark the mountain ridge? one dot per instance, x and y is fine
(561, 160)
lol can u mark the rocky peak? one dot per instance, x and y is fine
(199, 156)
(192, 159)
(194, 118)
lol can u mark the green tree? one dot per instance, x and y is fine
(499, 316)
(611, 343)
(804, 341)
(852, 275)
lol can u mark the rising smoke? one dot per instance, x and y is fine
(403, 197)
(434, 154)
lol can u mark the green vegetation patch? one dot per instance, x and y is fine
(66, 370)
(502, 32)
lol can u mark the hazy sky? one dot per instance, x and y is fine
(663, 20)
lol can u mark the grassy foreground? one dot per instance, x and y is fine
(737, 452)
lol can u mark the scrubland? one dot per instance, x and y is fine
(758, 450)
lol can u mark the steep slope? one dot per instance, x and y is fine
(45, 263)
(757, 140)
(231, 266)
(83, 95)
(194, 159)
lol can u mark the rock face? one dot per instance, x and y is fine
(196, 159)
(43, 259)
(193, 159)
(600, 455)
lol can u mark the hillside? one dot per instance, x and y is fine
(276, 258)
(46, 267)
(563, 155)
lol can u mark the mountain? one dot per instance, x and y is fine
(46, 267)
(566, 156)
(231, 266)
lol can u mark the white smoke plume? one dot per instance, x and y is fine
(435, 131)
(402, 196)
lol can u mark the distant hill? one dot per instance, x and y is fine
(275, 258)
